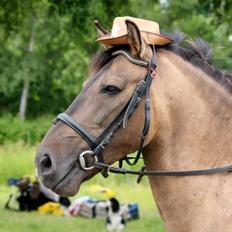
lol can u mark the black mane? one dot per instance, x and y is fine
(200, 55)
(197, 52)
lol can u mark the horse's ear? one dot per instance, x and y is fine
(137, 44)
(101, 31)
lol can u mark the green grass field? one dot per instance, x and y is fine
(17, 160)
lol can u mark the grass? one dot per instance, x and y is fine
(17, 160)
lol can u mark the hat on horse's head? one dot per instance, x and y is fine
(148, 29)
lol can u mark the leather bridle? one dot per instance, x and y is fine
(99, 144)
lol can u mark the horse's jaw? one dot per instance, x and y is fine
(70, 185)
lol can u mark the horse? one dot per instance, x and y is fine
(189, 122)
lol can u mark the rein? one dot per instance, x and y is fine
(98, 145)
(142, 172)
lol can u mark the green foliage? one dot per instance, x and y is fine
(17, 160)
(64, 42)
(31, 131)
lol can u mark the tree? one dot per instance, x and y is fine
(46, 45)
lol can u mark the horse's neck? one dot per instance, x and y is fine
(193, 115)
(194, 122)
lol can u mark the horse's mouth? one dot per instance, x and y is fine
(70, 183)
(62, 186)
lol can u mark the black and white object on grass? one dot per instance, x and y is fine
(115, 220)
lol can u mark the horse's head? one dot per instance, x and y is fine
(62, 161)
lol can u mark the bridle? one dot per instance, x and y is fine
(99, 144)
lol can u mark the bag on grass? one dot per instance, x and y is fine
(31, 195)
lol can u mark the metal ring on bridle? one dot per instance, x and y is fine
(83, 162)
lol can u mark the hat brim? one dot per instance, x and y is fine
(152, 38)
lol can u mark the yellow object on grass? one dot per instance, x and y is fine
(106, 191)
(32, 178)
(51, 208)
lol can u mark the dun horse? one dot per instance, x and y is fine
(190, 128)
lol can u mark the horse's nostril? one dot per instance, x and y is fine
(46, 163)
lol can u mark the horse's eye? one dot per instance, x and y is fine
(111, 90)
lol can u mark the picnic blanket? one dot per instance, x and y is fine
(90, 208)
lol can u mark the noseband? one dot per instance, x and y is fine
(99, 144)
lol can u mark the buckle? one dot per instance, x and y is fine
(82, 161)
(142, 82)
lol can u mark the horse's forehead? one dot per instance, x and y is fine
(117, 68)
(121, 67)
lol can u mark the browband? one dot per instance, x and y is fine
(132, 59)
(150, 65)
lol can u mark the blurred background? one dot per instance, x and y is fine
(45, 49)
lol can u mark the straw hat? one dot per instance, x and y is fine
(148, 29)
